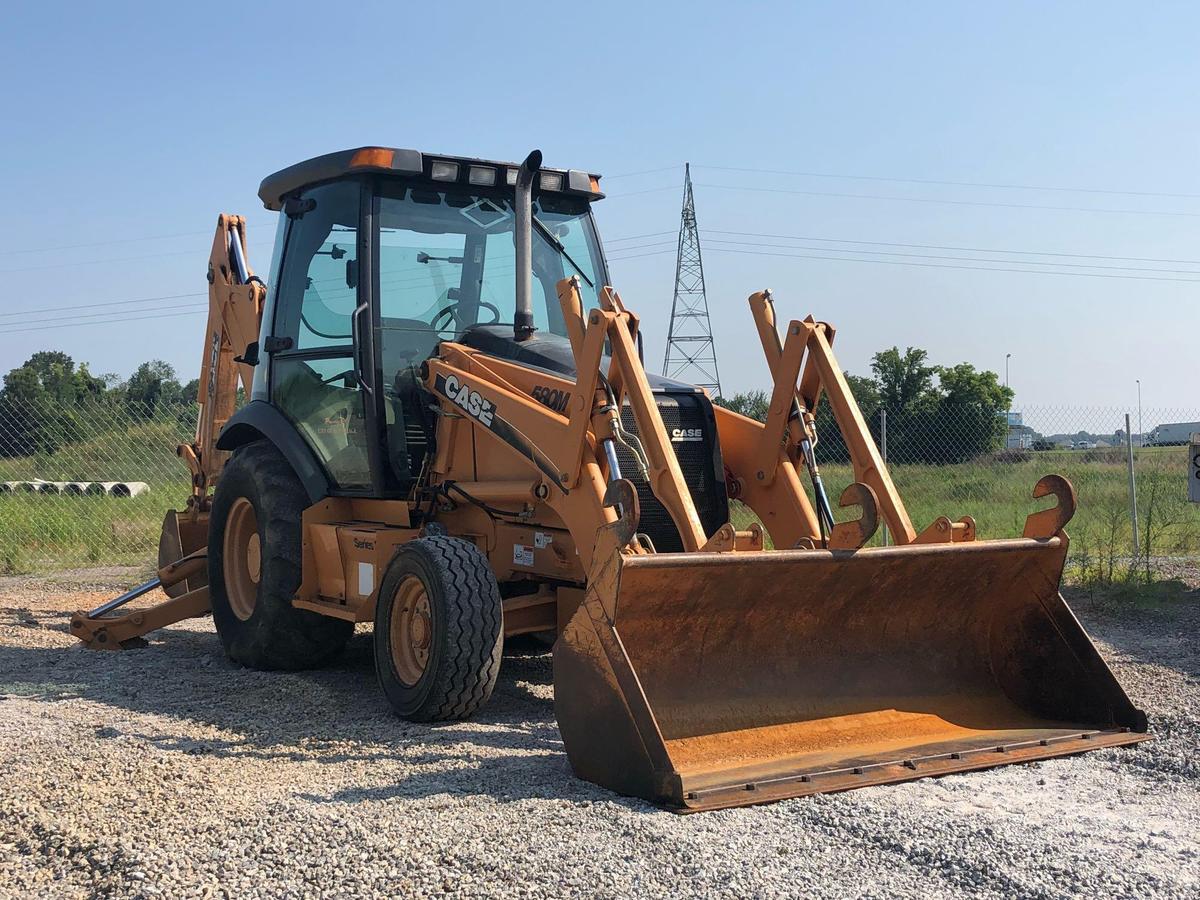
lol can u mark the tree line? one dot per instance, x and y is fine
(935, 414)
(49, 402)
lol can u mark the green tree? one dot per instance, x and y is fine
(831, 446)
(935, 414)
(191, 392)
(40, 402)
(908, 393)
(904, 381)
(971, 414)
(153, 384)
(752, 404)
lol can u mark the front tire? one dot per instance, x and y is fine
(254, 567)
(438, 630)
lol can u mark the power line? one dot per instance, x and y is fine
(1091, 209)
(120, 321)
(127, 240)
(75, 318)
(892, 262)
(96, 262)
(640, 255)
(669, 187)
(642, 172)
(634, 237)
(647, 246)
(1024, 262)
(934, 181)
(26, 312)
(797, 237)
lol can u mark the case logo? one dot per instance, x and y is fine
(473, 403)
(686, 435)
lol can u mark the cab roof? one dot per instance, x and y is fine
(436, 168)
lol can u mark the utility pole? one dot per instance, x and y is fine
(1007, 357)
(691, 354)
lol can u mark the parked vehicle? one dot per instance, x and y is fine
(1173, 434)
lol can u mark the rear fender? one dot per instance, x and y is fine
(259, 420)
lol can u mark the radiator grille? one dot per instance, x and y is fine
(702, 471)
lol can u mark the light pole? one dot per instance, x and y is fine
(1008, 414)
(1141, 434)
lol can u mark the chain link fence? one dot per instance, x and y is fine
(88, 483)
(54, 514)
(1133, 512)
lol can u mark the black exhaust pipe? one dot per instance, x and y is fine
(523, 315)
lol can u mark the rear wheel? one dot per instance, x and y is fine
(438, 630)
(254, 561)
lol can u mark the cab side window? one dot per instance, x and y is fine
(314, 382)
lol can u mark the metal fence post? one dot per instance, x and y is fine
(883, 453)
(1132, 489)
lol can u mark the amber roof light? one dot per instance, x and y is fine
(373, 156)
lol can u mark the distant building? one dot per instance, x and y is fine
(1020, 436)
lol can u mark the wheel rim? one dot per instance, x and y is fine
(411, 632)
(243, 558)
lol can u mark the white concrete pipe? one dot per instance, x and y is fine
(125, 488)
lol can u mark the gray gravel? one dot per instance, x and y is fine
(169, 772)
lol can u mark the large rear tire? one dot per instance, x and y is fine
(438, 630)
(254, 563)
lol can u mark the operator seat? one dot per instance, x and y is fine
(406, 343)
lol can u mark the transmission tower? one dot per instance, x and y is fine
(691, 355)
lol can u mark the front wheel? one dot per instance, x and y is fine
(438, 630)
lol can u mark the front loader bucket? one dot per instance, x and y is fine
(708, 680)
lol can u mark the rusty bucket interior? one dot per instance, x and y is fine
(708, 680)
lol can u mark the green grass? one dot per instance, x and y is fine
(999, 496)
(45, 532)
(143, 452)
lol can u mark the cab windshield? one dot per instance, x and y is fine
(447, 263)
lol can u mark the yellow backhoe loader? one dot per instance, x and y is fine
(450, 434)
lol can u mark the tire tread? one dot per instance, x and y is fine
(471, 651)
(278, 635)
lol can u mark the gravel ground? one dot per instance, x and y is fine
(169, 771)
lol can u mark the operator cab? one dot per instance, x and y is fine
(381, 254)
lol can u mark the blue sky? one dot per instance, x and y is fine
(131, 124)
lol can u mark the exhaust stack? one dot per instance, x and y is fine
(523, 235)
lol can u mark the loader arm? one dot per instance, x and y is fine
(564, 452)
(802, 367)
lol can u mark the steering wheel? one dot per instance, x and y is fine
(451, 313)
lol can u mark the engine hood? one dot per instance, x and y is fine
(548, 352)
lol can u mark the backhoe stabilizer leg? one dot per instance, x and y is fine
(100, 631)
(115, 632)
